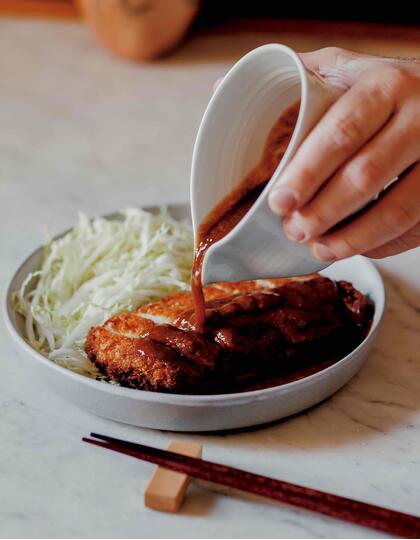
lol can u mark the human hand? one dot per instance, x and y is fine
(367, 138)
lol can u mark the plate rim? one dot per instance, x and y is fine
(180, 399)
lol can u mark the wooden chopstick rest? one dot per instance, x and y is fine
(166, 489)
(382, 519)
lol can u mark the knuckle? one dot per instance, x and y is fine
(363, 177)
(397, 79)
(399, 217)
(347, 246)
(346, 132)
(302, 175)
(315, 221)
(405, 242)
(332, 50)
(336, 52)
(410, 130)
(375, 90)
(415, 126)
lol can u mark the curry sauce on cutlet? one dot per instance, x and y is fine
(255, 336)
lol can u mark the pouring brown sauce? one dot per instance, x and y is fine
(223, 218)
(256, 335)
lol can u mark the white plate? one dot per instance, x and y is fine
(197, 413)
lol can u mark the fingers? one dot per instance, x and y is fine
(409, 240)
(388, 219)
(322, 60)
(345, 128)
(358, 181)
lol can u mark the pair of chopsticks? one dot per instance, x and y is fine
(367, 515)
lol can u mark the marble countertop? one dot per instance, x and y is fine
(81, 130)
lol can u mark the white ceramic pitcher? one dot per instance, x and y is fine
(234, 128)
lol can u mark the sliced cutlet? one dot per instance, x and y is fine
(243, 287)
(129, 325)
(170, 307)
(142, 363)
(132, 349)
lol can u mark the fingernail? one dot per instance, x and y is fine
(323, 252)
(283, 200)
(293, 231)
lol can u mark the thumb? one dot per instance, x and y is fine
(338, 67)
(327, 57)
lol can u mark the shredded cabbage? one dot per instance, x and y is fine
(100, 268)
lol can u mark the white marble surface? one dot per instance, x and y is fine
(83, 131)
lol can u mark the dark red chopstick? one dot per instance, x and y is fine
(367, 515)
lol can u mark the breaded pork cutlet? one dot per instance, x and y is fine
(253, 330)
(154, 363)
(134, 350)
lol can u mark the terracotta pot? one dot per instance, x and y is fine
(139, 29)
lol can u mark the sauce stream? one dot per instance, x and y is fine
(223, 218)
